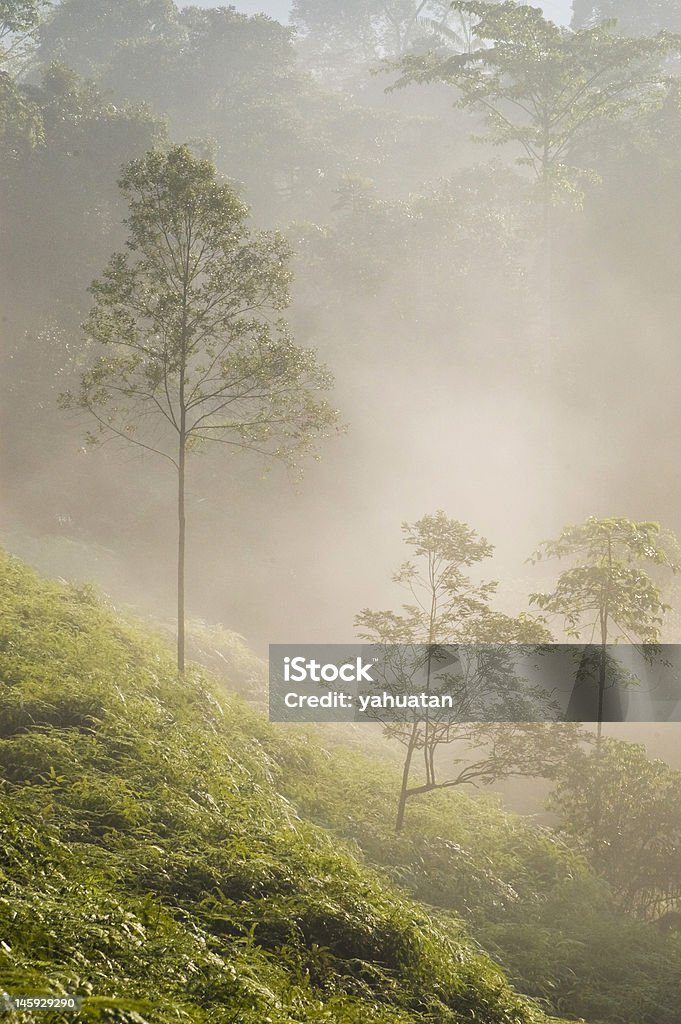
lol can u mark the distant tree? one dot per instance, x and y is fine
(470, 220)
(608, 592)
(217, 74)
(194, 351)
(635, 842)
(61, 214)
(542, 87)
(543, 91)
(20, 122)
(19, 20)
(89, 35)
(634, 17)
(19, 16)
(66, 188)
(448, 607)
(340, 39)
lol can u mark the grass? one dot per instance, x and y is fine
(150, 863)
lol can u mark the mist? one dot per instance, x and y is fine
(327, 323)
(417, 280)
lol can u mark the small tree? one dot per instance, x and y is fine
(608, 593)
(448, 607)
(194, 351)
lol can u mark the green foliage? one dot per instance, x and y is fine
(19, 15)
(457, 853)
(89, 34)
(577, 953)
(609, 586)
(183, 316)
(540, 86)
(636, 841)
(19, 20)
(609, 583)
(525, 895)
(20, 125)
(342, 39)
(65, 182)
(474, 220)
(226, 655)
(149, 864)
(448, 607)
(231, 80)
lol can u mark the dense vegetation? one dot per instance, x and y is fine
(149, 862)
(526, 896)
(159, 857)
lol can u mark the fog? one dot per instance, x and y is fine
(559, 11)
(356, 322)
(418, 278)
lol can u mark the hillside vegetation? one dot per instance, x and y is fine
(535, 904)
(149, 863)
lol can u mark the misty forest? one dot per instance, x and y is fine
(362, 327)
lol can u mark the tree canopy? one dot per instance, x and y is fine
(541, 87)
(195, 353)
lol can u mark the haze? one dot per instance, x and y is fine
(420, 280)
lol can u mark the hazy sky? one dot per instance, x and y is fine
(557, 10)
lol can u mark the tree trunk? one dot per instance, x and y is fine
(601, 691)
(548, 261)
(548, 354)
(427, 752)
(427, 745)
(598, 789)
(404, 791)
(604, 615)
(181, 523)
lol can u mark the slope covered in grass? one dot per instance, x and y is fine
(533, 903)
(148, 862)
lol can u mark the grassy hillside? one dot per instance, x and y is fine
(149, 863)
(533, 903)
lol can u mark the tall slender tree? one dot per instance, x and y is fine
(542, 89)
(195, 353)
